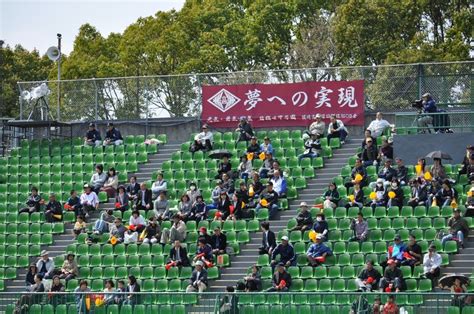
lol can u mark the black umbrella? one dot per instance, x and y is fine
(448, 280)
(439, 154)
(219, 153)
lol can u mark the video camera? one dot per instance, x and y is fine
(418, 104)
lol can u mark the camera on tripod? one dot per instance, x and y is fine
(418, 104)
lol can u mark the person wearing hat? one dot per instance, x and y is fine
(89, 200)
(266, 146)
(458, 229)
(419, 194)
(204, 235)
(202, 141)
(53, 211)
(176, 232)
(392, 280)
(69, 269)
(368, 278)
(387, 172)
(286, 252)
(304, 221)
(45, 265)
(112, 136)
(117, 231)
(424, 119)
(244, 129)
(162, 207)
(395, 252)
(379, 125)
(144, 200)
(336, 129)
(281, 280)
(311, 146)
(198, 280)
(431, 265)
(370, 155)
(159, 185)
(318, 251)
(178, 255)
(268, 199)
(218, 242)
(92, 137)
(318, 126)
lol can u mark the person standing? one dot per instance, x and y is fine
(431, 265)
(268, 239)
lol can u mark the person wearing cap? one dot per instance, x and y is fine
(112, 136)
(318, 126)
(162, 207)
(395, 252)
(117, 230)
(45, 265)
(336, 129)
(379, 125)
(360, 228)
(368, 135)
(245, 167)
(428, 106)
(458, 227)
(218, 242)
(33, 202)
(132, 188)
(386, 150)
(401, 171)
(89, 200)
(69, 269)
(92, 137)
(202, 141)
(370, 155)
(268, 239)
(159, 185)
(152, 232)
(304, 221)
(286, 252)
(98, 178)
(392, 279)
(193, 192)
(178, 255)
(53, 211)
(198, 280)
(121, 199)
(387, 172)
(418, 194)
(358, 169)
(266, 146)
(144, 199)
(368, 278)
(281, 280)
(413, 255)
(311, 146)
(176, 232)
(318, 251)
(244, 129)
(268, 199)
(431, 265)
(253, 147)
(204, 235)
(279, 183)
(111, 183)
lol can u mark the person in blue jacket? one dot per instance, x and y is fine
(428, 106)
(113, 136)
(318, 252)
(286, 252)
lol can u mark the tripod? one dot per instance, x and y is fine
(42, 106)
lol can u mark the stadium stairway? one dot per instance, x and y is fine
(249, 252)
(61, 241)
(461, 263)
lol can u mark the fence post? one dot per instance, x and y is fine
(147, 105)
(420, 80)
(96, 100)
(20, 98)
(198, 82)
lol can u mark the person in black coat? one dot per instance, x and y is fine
(223, 206)
(133, 286)
(281, 280)
(218, 242)
(132, 188)
(179, 255)
(112, 136)
(304, 221)
(144, 199)
(419, 194)
(358, 169)
(224, 167)
(92, 136)
(198, 280)
(402, 171)
(398, 199)
(53, 211)
(387, 172)
(254, 147)
(245, 130)
(268, 239)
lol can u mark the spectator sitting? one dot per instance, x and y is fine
(56, 286)
(412, 255)
(204, 235)
(244, 129)
(390, 307)
(53, 211)
(80, 294)
(80, 226)
(152, 231)
(321, 226)
(30, 275)
(227, 184)
(318, 126)
(218, 242)
(379, 190)
(318, 251)
(178, 256)
(198, 280)
(402, 171)
(428, 106)
(392, 278)
(431, 265)
(224, 206)
(369, 278)
(32, 298)
(245, 167)
(117, 231)
(418, 193)
(144, 199)
(159, 185)
(33, 203)
(379, 125)
(357, 199)
(420, 167)
(268, 199)
(446, 195)
(204, 253)
(304, 221)
(73, 203)
(202, 141)
(69, 269)
(437, 170)
(357, 173)
(360, 228)
(466, 162)
(267, 165)
(105, 221)
(336, 129)
(112, 136)
(394, 195)
(459, 228)
(132, 287)
(311, 147)
(459, 288)
(132, 188)
(257, 185)
(98, 179)
(109, 293)
(242, 193)
(45, 265)
(331, 196)
(279, 184)
(368, 135)
(193, 192)
(111, 184)
(266, 147)
(395, 252)
(253, 281)
(268, 239)
(286, 252)
(136, 222)
(130, 236)
(92, 137)
(162, 207)
(224, 166)
(199, 210)
(216, 194)
(254, 147)
(432, 189)
(470, 199)
(386, 151)
(176, 232)
(369, 155)
(121, 199)
(387, 172)
(281, 281)
(184, 207)
(120, 297)
(241, 210)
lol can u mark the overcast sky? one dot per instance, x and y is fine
(35, 23)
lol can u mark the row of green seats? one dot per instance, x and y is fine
(110, 309)
(33, 238)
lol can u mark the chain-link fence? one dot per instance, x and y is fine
(387, 88)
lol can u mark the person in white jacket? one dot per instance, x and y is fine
(160, 185)
(336, 129)
(98, 178)
(202, 141)
(378, 126)
(89, 200)
(431, 264)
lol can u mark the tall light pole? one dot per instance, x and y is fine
(59, 77)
